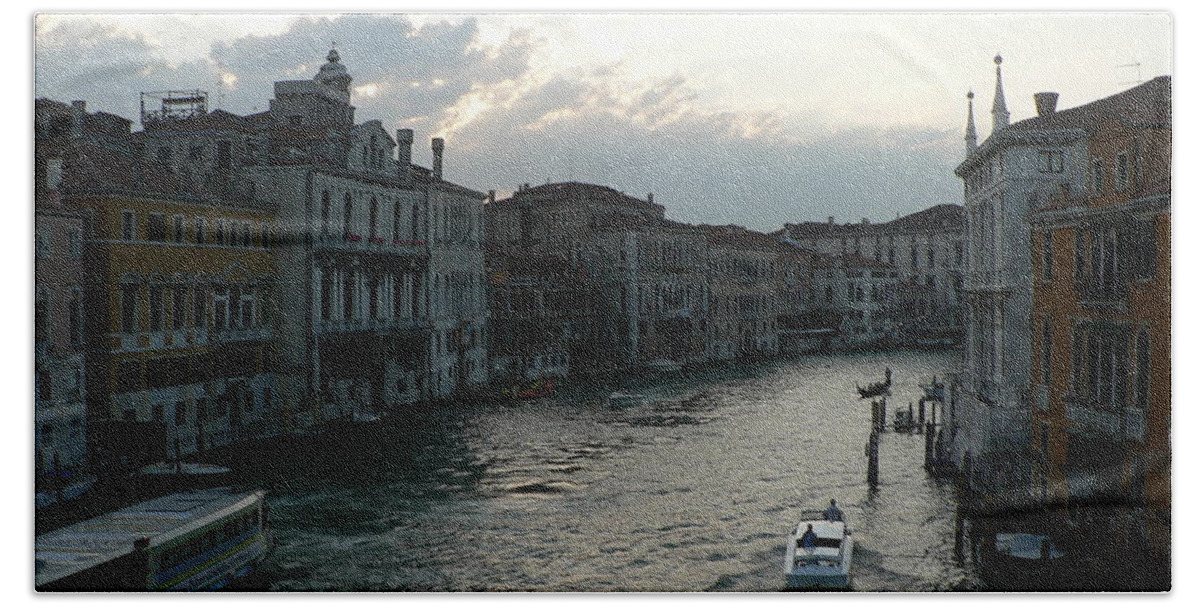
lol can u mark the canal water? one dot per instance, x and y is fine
(695, 489)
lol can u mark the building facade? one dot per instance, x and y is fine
(926, 250)
(1005, 178)
(1101, 330)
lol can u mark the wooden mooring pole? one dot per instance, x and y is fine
(930, 434)
(873, 459)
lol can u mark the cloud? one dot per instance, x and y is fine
(507, 122)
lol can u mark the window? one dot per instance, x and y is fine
(41, 245)
(325, 213)
(224, 155)
(75, 242)
(1047, 349)
(178, 229)
(41, 315)
(1047, 256)
(1141, 382)
(128, 226)
(264, 235)
(129, 305)
(45, 388)
(1051, 161)
(1146, 247)
(219, 232)
(929, 257)
(156, 308)
(1121, 170)
(348, 297)
(177, 306)
(196, 153)
(199, 306)
(374, 218)
(326, 294)
(75, 310)
(180, 415)
(1097, 176)
(348, 206)
(201, 231)
(54, 173)
(396, 221)
(220, 309)
(1099, 362)
(156, 227)
(1080, 254)
(958, 253)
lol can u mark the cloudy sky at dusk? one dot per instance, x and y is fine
(755, 119)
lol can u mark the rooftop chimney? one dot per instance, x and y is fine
(866, 221)
(650, 197)
(831, 220)
(1045, 102)
(404, 142)
(439, 145)
(491, 196)
(78, 112)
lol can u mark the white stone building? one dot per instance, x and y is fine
(1011, 173)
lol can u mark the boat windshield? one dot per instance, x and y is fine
(827, 543)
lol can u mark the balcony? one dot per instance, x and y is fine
(1100, 292)
(353, 243)
(378, 326)
(240, 334)
(1091, 418)
(988, 280)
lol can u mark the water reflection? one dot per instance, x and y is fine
(693, 489)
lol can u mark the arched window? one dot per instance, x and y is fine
(346, 214)
(374, 218)
(325, 213)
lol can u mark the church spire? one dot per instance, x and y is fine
(999, 108)
(971, 138)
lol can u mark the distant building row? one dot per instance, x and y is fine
(588, 274)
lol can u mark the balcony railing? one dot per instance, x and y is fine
(1115, 423)
(1100, 291)
(988, 280)
(373, 325)
(240, 334)
(353, 243)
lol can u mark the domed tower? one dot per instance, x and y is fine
(334, 77)
(324, 100)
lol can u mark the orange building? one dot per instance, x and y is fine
(1101, 318)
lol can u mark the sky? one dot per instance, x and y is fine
(755, 119)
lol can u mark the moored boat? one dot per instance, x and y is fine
(820, 560)
(623, 399)
(662, 366)
(188, 541)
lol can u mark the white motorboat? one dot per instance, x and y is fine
(662, 366)
(822, 562)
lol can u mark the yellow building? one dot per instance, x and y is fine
(178, 309)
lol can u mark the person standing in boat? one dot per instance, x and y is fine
(808, 540)
(833, 513)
